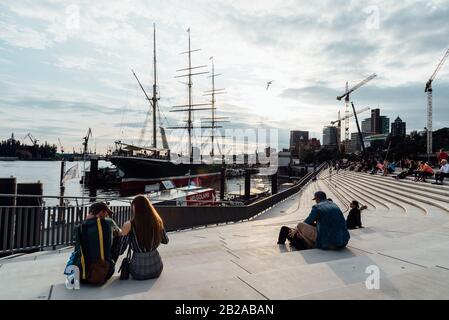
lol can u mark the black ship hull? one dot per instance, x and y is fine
(147, 168)
(139, 173)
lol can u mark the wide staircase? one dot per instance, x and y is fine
(406, 238)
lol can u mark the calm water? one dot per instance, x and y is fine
(48, 172)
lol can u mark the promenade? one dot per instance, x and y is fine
(406, 236)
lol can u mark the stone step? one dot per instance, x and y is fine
(423, 197)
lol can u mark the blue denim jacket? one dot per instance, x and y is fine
(330, 224)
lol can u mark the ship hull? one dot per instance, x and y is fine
(141, 172)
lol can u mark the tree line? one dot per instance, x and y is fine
(14, 148)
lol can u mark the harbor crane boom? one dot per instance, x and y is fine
(428, 89)
(86, 140)
(32, 138)
(60, 145)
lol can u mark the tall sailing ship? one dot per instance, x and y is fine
(144, 168)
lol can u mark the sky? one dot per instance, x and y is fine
(66, 66)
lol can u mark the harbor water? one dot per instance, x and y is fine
(48, 173)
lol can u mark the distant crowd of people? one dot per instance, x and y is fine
(420, 170)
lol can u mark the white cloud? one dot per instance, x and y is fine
(23, 37)
(302, 46)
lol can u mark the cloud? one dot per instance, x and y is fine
(23, 37)
(60, 70)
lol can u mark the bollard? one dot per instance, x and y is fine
(274, 183)
(29, 220)
(7, 186)
(93, 174)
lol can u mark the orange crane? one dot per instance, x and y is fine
(428, 89)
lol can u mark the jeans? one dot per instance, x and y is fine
(439, 176)
(296, 242)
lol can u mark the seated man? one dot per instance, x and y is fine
(324, 228)
(93, 243)
(443, 173)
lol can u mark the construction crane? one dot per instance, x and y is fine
(32, 138)
(60, 146)
(346, 117)
(428, 89)
(346, 96)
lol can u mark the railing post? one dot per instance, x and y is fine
(53, 228)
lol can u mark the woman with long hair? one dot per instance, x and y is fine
(143, 234)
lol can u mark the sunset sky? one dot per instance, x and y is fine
(66, 65)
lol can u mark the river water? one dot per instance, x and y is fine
(48, 173)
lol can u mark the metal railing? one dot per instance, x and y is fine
(30, 229)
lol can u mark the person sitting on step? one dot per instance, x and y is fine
(93, 245)
(354, 219)
(324, 228)
(142, 236)
(425, 171)
(443, 173)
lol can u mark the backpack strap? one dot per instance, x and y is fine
(83, 261)
(100, 236)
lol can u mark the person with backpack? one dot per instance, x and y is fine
(142, 236)
(93, 243)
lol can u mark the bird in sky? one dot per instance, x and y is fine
(269, 83)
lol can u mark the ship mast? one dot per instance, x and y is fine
(189, 108)
(214, 120)
(154, 98)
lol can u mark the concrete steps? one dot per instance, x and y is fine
(243, 261)
(417, 195)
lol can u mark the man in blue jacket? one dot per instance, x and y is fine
(324, 228)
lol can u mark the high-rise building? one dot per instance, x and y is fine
(366, 125)
(330, 136)
(356, 144)
(298, 139)
(384, 125)
(375, 120)
(398, 127)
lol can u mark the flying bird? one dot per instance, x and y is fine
(268, 83)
